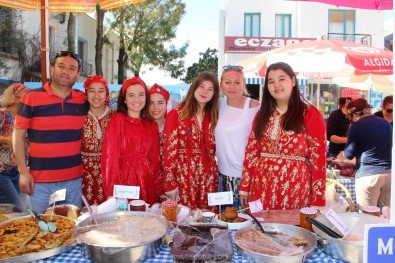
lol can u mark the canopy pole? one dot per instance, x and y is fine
(44, 41)
(318, 91)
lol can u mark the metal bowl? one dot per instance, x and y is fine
(289, 230)
(349, 251)
(139, 253)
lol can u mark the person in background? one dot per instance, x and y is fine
(236, 113)
(9, 175)
(53, 115)
(387, 112)
(337, 127)
(157, 109)
(98, 96)
(370, 141)
(190, 169)
(285, 158)
(130, 152)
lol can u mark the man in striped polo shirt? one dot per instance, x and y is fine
(52, 116)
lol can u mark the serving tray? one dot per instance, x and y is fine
(36, 255)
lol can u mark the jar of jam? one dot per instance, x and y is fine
(304, 213)
(371, 210)
(169, 210)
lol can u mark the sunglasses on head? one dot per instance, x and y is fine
(389, 110)
(232, 67)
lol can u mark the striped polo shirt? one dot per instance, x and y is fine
(54, 128)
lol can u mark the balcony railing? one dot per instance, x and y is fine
(356, 38)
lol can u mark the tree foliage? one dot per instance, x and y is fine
(145, 31)
(208, 61)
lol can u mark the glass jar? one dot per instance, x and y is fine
(371, 210)
(304, 213)
(169, 210)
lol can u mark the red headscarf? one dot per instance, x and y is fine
(159, 89)
(98, 79)
(130, 82)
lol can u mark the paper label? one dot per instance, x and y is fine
(220, 198)
(59, 195)
(126, 191)
(255, 206)
(337, 222)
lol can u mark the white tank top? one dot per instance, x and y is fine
(231, 136)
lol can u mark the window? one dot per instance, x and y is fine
(283, 25)
(342, 22)
(252, 25)
(86, 68)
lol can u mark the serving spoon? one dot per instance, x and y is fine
(43, 224)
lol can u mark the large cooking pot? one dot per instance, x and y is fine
(286, 229)
(349, 251)
(123, 254)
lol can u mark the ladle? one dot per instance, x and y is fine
(90, 211)
(43, 224)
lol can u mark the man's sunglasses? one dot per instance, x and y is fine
(232, 67)
(389, 110)
(67, 54)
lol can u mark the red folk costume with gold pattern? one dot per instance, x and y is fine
(189, 162)
(91, 146)
(130, 156)
(284, 169)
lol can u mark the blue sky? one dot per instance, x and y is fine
(199, 26)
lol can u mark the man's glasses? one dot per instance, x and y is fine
(389, 110)
(232, 67)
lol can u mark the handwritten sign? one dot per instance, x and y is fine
(255, 206)
(59, 195)
(125, 191)
(337, 222)
(220, 198)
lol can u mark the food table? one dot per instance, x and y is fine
(74, 256)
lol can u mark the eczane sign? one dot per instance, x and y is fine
(258, 44)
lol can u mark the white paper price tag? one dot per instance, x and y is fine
(221, 198)
(255, 206)
(337, 222)
(125, 191)
(59, 195)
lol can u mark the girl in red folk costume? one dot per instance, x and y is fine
(159, 98)
(98, 97)
(190, 169)
(285, 158)
(130, 154)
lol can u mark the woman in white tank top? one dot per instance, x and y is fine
(236, 113)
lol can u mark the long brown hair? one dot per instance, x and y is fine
(292, 120)
(190, 105)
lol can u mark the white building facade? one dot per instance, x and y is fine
(250, 27)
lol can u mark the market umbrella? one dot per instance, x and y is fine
(362, 4)
(381, 83)
(329, 58)
(83, 6)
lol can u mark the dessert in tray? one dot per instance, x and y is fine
(23, 236)
(202, 243)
